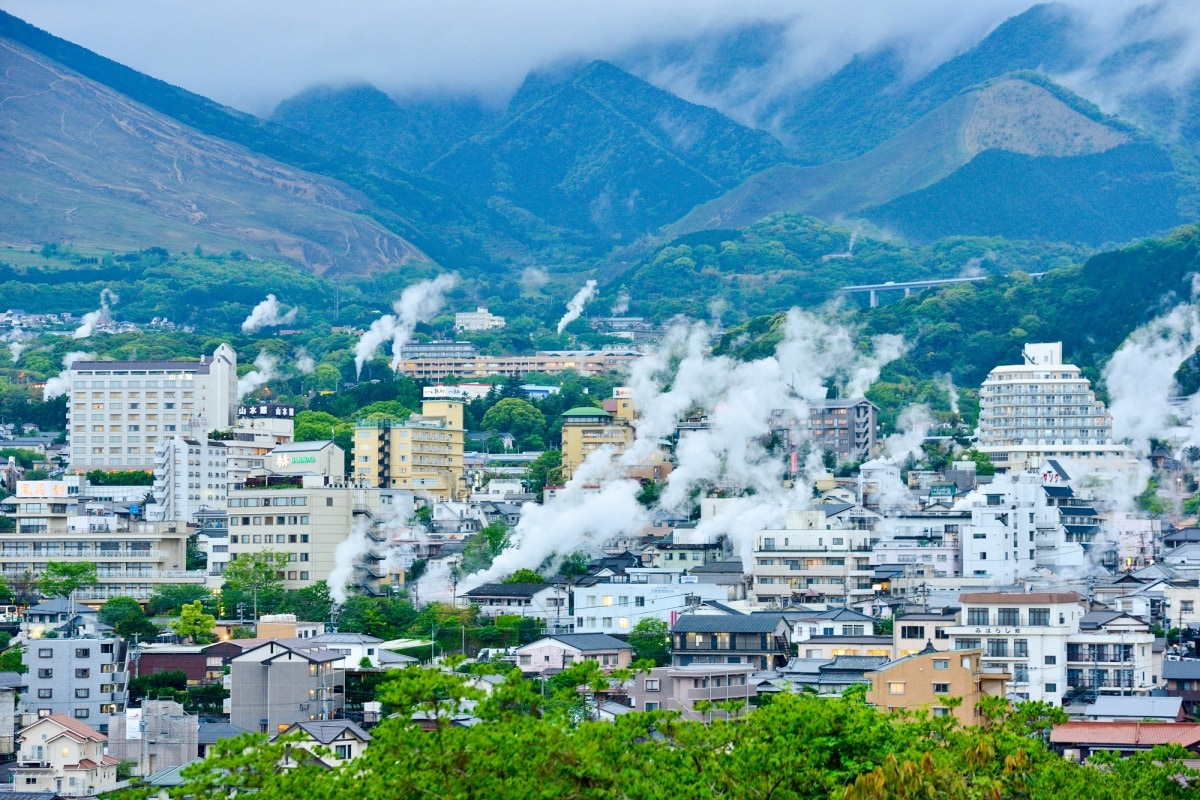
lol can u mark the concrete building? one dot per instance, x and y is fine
(812, 558)
(156, 736)
(119, 411)
(54, 522)
(479, 320)
(762, 640)
(681, 688)
(189, 475)
(64, 756)
(275, 685)
(616, 606)
(307, 517)
(423, 453)
(925, 680)
(586, 429)
(81, 678)
(845, 428)
(1043, 408)
(536, 600)
(549, 362)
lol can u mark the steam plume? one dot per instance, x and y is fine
(621, 304)
(418, 303)
(265, 370)
(61, 383)
(305, 364)
(576, 306)
(345, 555)
(267, 315)
(108, 298)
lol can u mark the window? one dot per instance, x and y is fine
(1010, 617)
(652, 684)
(651, 706)
(526, 661)
(941, 688)
(342, 751)
(1021, 648)
(896, 687)
(966, 644)
(997, 648)
(328, 501)
(45, 694)
(1052, 687)
(912, 631)
(939, 711)
(45, 673)
(941, 664)
(83, 652)
(81, 713)
(83, 672)
(1050, 660)
(639, 602)
(45, 652)
(977, 616)
(1039, 616)
(82, 694)
(1187, 606)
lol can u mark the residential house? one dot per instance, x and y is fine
(63, 755)
(762, 640)
(681, 688)
(275, 684)
(925, 680)
(537, 600)
(834, 676)
(1183, 681)
(833, 646)
(329, 742)
(911, 632)
(1128, 708)
(1079, 740)
(552, 654)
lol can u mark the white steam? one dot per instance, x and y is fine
(61, 383)
(577, 304)
(912, 427)
(947, 383)
(267, 315)
(16, 343)
(305, 364)
(345, 556)
(418, 303)
(533, 279)
(266, 369)
(1141, 375)
(92, 319)
(740, 403)
(621, 304)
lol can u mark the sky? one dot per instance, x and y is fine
(250, 54)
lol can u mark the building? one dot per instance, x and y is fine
(845, 428)
(813, 560)
(307, 517)
(925, 680)
(65, 756)
(552, 654)
(119, 411)
(617, 603)
(340, 739)
(536, 600)
(190, 475)
(549, 362)
(911, 632)
(761, 640)
(479, 320)
(274, 685)
(681, 688)
(54, 522)
(156, 736)
(586, 429)
(1079, 740)
(81, 678)
(1042, 409)
(423, 453)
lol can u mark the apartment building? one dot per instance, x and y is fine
(478, 320)
(811, 560)
(927, 679)
(681, 689)
(307, 517)
(83, 678)
(54, 522)
(586, 429)
(423, 453)
(276, 684)
(615, 605)
(548, 362)
(761, 640)
(1043, 408)
(846, 428)
(119, 411)
(189, 475)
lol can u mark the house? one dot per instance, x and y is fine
(834, 646)
(1127, 708)
(360, 650)
(828, 676)
(911, 632)
(1078, 740)
(1183, 681)
(552, 654)
(54, 613)
(190, 659)
(926, 679)
(762, 640)
(211, 733)
(329, 741)
(275, 684)
(62, 755)
(681, 688)
(538, 600)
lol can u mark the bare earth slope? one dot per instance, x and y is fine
(83, 163)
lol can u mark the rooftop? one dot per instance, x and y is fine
(727, 623)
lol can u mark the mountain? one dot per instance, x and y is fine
(408, 133)
(605, 152)
(82, 162)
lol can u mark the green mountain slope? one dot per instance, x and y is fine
(81, 162)
(605, 152)
(409, 134)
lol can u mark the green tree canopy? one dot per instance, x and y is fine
(193, 623)
(169, 598)
(515, 416)
(524, 576)
(254, 581)
(127, 618)
(483, 547)
(649, 641)
(63, 578)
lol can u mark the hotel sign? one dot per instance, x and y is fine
(41, 489)
(283, 461)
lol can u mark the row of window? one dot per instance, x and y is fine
(291, 520)
(269, 539)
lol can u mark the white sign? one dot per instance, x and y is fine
(133, 723)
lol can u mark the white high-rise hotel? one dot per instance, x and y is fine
(119, 411)
(1044, 409)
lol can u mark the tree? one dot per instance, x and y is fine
(483, 547)
(515, 416)
(11, 660)
(127, 618)
(193, 624)
(524, 575)
(649, 641)
(168, 599)
(254, 581)
(64, 578)
(545, 469)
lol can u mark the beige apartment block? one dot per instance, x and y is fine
(423, 453)
(927, 680)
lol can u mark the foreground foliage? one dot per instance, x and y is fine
(532, 745)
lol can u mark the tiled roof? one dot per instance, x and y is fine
(725, 623)
(73, 727)
(1021, 598)
(507, 590)
(1135, 707)
(1181, 670)
(1134, 734)
(591, 641)
(326, 731)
